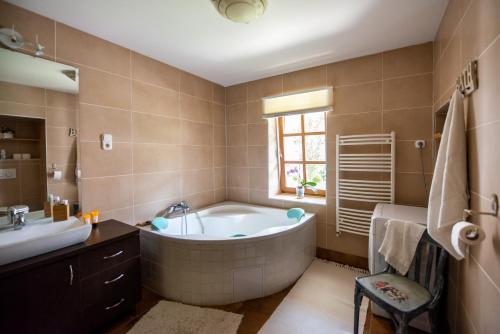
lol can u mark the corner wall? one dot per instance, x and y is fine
(470, 30)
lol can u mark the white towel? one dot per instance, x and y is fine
(448, 196)
(400, 243)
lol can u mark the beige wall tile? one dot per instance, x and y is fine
(354, 71)
(104, 89)
(219, 195)
(194, 133)
(156, 186)
(449, 66)
(358, 98)
(346, 242)
(408, 157)
(237, 156)
(195, 86)
(265, 87)
(196, 157)
(195, 109)
(197, 181)
(257, 178)
(29, 24)
(200, 200)
(155, 129)
(152, 71)
(220, 156)
(26, 110)
(220, 178)
(257, 134)
(61, 155)
(257, 156)
(254, 113)
(448, 25)
(237, 114)
(410, 189)
(238, 194)
(149, 158)
(349, 124)
(65, 190)
(219, 135)
(79, 47)
(61, 100)
(59, 137)
(61, 117)
(414, 59)
(124, 215)
(95, 162)
(22, 94)
(151, 99)
(237, 135)
(238, 177)
(218, 114)
(147, 211)
(408, 92)
(96, 120)
(310, 78)
(219, 94)
(107, 193)
(236, 94)
(409, 123)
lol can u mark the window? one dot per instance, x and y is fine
(302, 147)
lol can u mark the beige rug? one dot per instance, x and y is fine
(176, 318)
(322, 301)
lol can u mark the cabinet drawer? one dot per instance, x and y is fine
(107, 256)
(109, 285)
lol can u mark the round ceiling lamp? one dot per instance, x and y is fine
(241, 11)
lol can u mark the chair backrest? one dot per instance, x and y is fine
(429, 265)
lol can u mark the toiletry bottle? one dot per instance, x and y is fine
(95, 217)
(3, 154)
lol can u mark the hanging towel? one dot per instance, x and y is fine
(448, 195)
(400, 243)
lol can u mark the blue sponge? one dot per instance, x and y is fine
(159, 223)
(296, 213)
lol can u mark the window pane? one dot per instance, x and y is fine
(293, 173)
(293, 148)
(292, 124)
(315, 148)
(317, 173)
(314, 122)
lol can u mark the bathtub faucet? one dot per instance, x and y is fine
(181, 206)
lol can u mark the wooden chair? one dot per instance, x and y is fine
(405, 298)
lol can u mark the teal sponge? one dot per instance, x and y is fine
(296, 213)
(159, 223)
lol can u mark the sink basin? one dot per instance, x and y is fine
(39, 236)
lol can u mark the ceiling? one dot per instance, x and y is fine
(292, 34)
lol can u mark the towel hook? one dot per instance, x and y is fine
(494, 209)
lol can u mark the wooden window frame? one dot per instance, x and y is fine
(303, 162)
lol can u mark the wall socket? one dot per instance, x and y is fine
(419, 144)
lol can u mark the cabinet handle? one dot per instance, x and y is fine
(107, 308)
(71, 275)
(113, 255)
(119, 277)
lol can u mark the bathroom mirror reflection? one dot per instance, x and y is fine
(38, 129)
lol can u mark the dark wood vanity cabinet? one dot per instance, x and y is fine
(77, 289)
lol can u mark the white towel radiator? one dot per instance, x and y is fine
(351, 189)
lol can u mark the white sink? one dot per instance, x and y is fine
(39, 236)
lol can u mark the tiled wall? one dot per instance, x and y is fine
(373, 94)
(60, 113)
(470, 30)
(167, 125)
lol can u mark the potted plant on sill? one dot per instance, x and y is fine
(302, 184)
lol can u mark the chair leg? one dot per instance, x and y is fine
(403, 325)
(433, 320)
(358, 297)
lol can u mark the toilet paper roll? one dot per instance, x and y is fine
(57, 175)
(464, 234)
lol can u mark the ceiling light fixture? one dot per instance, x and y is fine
(241, 11)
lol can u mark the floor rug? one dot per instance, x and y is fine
(176, 318)
(322, 301)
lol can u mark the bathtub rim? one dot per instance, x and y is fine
(295, 227)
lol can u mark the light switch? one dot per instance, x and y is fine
(107, 142)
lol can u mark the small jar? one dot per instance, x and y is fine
(95, 217)
(87, 219)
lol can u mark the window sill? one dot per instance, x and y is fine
(308, 199)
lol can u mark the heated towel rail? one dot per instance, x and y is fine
(363, 179)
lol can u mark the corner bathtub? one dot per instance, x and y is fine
(216, 268)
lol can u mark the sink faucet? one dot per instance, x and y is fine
(181, 206)
(15, 215)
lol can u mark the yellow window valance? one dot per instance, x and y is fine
(298, 103)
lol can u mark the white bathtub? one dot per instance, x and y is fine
(209, 266)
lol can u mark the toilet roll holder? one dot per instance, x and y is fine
(494, 209)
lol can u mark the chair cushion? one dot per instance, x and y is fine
(396, 290)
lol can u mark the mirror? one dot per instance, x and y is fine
(38, 128)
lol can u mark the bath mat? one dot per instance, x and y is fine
(176, 318)
(322, 301)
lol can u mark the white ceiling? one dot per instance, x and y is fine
(292, 34)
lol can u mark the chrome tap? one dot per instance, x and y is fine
(178, 207)
(15, 215)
